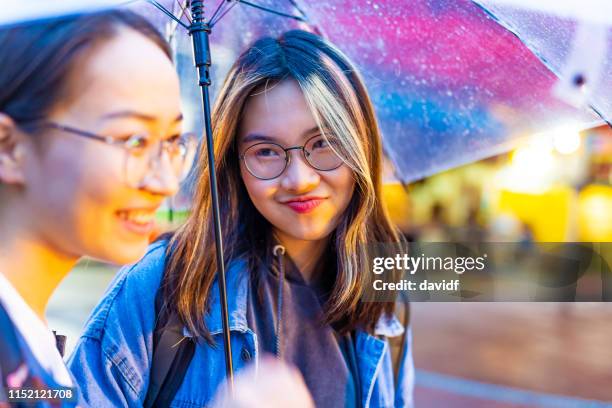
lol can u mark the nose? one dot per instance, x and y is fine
(161, 178)
(299, 176)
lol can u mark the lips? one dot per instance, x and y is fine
(140, 221)
(303, 205)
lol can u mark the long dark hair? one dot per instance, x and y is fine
(36, 59)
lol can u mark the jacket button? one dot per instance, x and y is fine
(245, 355)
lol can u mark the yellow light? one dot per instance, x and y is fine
(566, 142)
(532, 167)
(594, 215)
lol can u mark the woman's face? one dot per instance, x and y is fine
(302, 203)
(75, 191)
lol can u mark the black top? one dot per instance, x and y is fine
(325, 359)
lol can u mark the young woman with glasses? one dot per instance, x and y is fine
(299, 169)
(86, 158)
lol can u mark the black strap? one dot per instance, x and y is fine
(172, 354)
(60, 343)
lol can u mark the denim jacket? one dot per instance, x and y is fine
(112, 359)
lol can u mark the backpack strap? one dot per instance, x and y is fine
(60, 343)
(172, 354)
(397, 344)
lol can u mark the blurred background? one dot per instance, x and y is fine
(479, 149)
(556, 187)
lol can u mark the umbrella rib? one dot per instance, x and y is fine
(167, 13)
(183, 8)
(227, 10)
(173, 24)
(299, 9)
(219, 7)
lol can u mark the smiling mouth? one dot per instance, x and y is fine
(304, 206)
(141, 222)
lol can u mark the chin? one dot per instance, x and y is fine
(122, 254)
(306, 234)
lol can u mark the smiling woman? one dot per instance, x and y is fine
(303, 190)
(75, 184)
(86, 158)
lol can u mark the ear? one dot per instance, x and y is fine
(11, 152)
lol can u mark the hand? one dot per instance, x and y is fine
(274, 385)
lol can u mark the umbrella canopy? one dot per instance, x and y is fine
(19, 12)
(572, 40)
(450, 85)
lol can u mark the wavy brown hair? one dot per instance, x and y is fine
(340, 104)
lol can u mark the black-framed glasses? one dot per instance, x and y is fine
(141, 155)
(268, 160)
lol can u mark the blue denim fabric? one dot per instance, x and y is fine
(112, 359)
(19, 356)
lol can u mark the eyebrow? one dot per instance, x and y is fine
(137, 115)
(257, 137)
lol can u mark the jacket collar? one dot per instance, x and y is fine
(388, 326)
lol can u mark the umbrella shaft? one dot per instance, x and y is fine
(199, 32)
(218, 238)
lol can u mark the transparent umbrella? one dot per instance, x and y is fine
(449, 83)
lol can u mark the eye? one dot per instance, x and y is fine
(174, 139)
(136, 143)
(264, 152)
(321, 143)
(174, 143)
(318, 144)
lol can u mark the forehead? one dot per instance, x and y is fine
(280, 112)
(126, 72)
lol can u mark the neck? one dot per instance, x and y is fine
(32, 266)
(304, 254)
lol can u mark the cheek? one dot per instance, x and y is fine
(85, 173)
(75, 192)
(261, 192)
(342, 183)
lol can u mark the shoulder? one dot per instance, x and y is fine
(132, 293)
(112, 358)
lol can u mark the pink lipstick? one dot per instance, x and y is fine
(304, 205)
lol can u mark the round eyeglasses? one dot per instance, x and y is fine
(141, 155)
(268, 160)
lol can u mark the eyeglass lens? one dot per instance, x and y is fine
(268, 160)
(178, 153)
